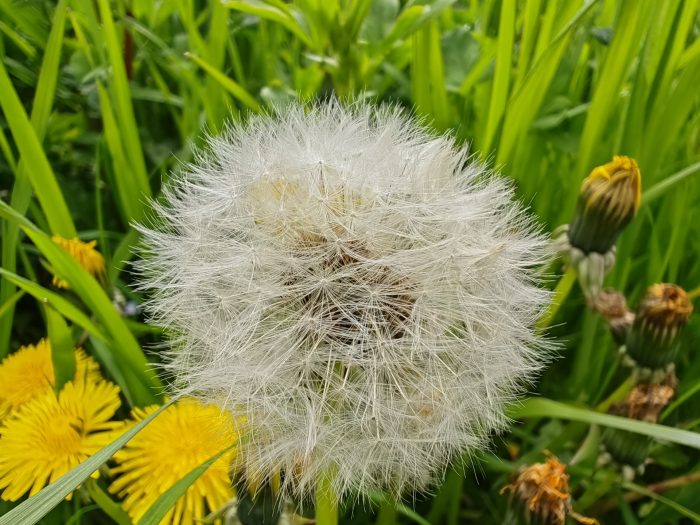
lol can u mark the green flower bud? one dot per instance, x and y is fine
(608, 201)
(652, 341)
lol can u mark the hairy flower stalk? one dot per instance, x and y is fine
(353, 290)
(608, 201)
(653, 339)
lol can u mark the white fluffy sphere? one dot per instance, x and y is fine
(354, 290)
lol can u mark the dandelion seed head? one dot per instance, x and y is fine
(355, 289)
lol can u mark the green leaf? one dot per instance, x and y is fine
(110, 507)
(94, 297)
(167, 500)
(683, 511)
(272, 13)
(56, 301)
(227, 83)
(381, 499)
(62, 353)
(501, 79)
(32, 510)
(124, 108)
(32, 155)
(542, 407)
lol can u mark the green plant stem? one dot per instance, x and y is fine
(618, 395)
(561, 292)
(326, 501)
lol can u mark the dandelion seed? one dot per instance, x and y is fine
(85, 254)
(28, 373)
(178, 440)
(355, 289)
(53, 433)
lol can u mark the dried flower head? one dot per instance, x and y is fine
(612, 305)
(543, 490)
(644, 403)
(85, 254)
(652, 341)
(353, 288)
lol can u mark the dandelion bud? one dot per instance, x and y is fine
(652, 341)
(542, 490)
(85, 254)
(644, 403)
(608, 201)
(353, 289)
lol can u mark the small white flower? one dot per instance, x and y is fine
(354, 288)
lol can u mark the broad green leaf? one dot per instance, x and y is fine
(542, 407)
(32, 510)
(62, 353)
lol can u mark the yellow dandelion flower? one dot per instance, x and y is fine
(53, 433)
(28, 373)
(178, 440)
(85, 253)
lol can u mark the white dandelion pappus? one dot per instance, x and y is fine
(355, 288)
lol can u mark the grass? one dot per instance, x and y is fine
(102, 100)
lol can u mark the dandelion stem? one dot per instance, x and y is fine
(326, 501)
(561, 292)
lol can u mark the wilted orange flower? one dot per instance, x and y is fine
(544, 490)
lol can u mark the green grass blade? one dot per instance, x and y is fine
(22, 189)
(272, 13)
(124, 107)
(38, 168)
(542, 407)
(93, 295)
(130, 202)
(167, 499)
(56, 301)
(527, 99)
(501, 79)
(110, 507)
(667, 184)
(680, 509)
(62, 355)
(10, 303)
(227, 83)
(32, 510)
(623, 50)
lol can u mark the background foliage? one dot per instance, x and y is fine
(102, 100)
